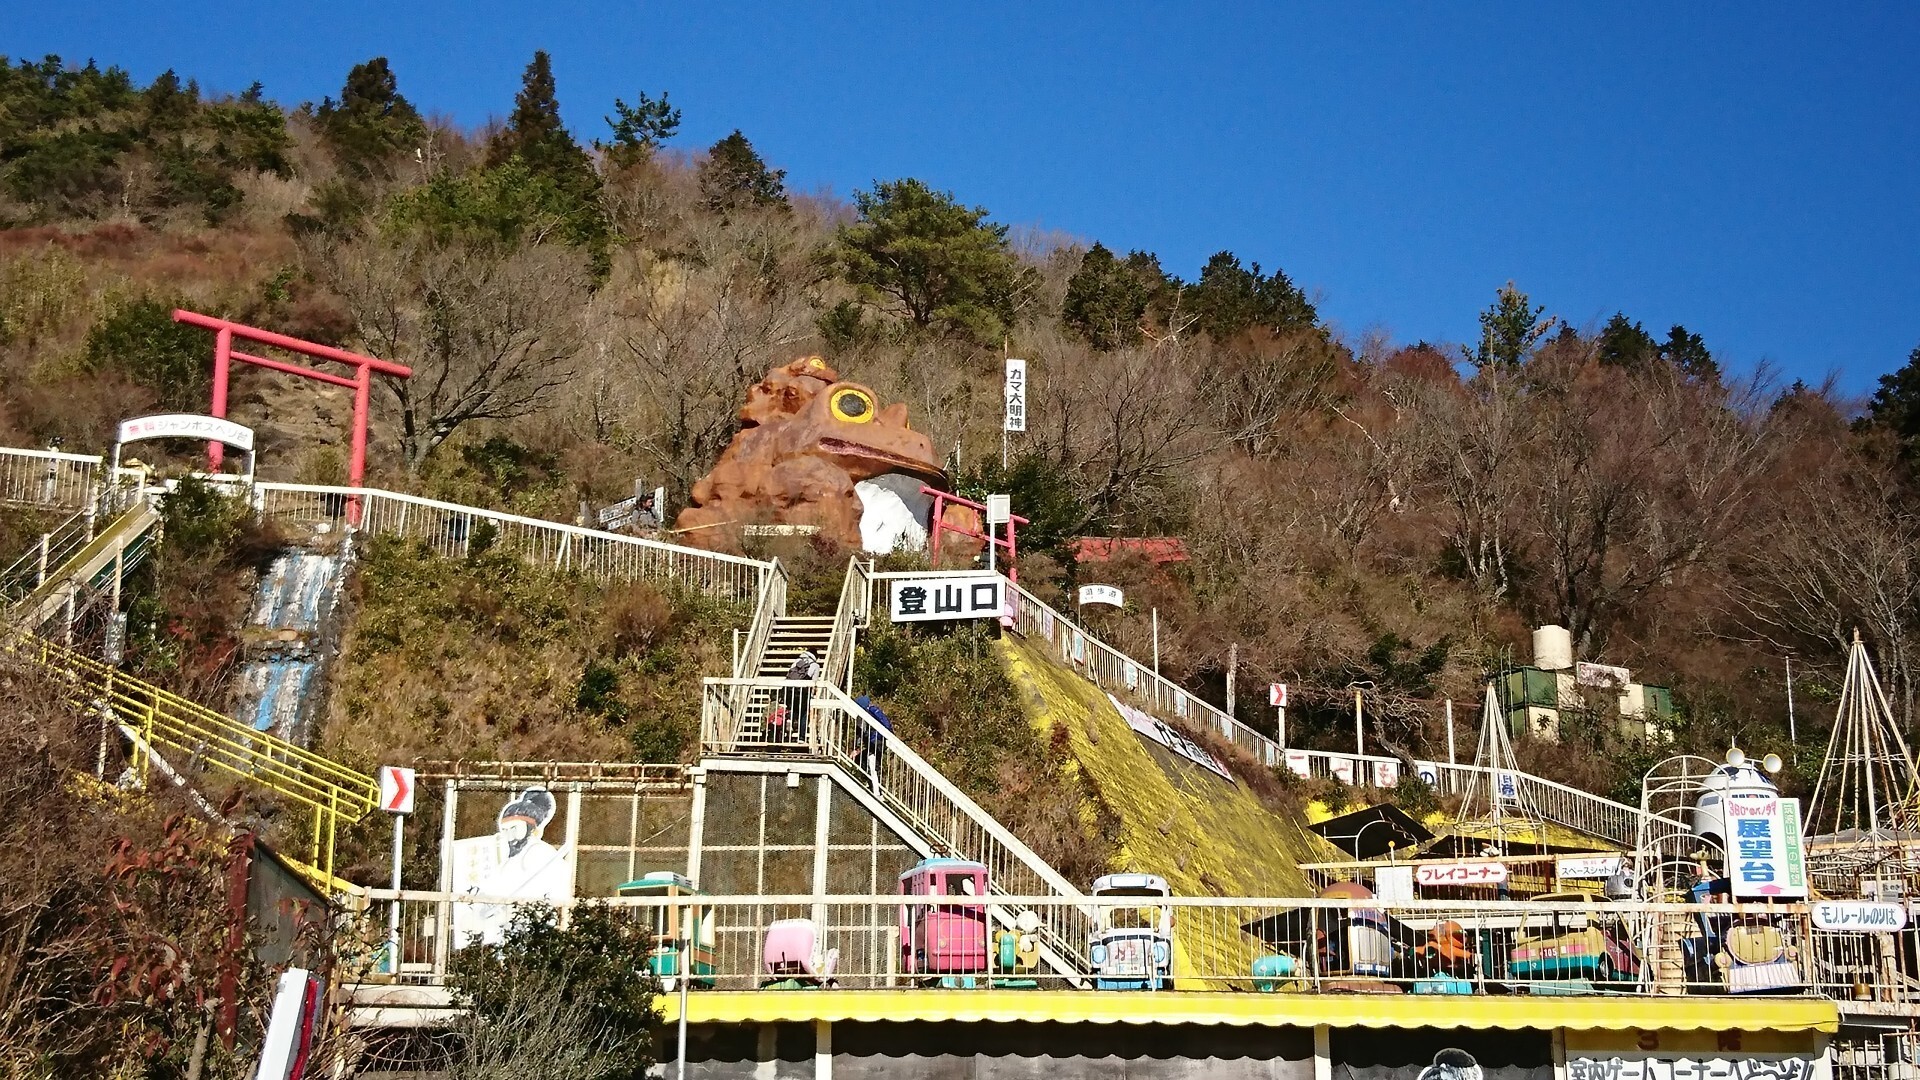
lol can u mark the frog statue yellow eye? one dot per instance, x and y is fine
(853, 406)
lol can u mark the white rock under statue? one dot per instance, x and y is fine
(893, 513)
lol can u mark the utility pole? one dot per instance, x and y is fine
(1451, 760)
(1793, 733)
(1233, 667)
(1359, 730)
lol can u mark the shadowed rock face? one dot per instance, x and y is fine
(815, 450)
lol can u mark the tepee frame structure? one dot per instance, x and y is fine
(1861, 823)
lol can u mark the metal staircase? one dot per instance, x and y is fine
(73, 559)
(942, 818)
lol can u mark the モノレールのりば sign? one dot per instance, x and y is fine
(187, 426)
(935, 597)
(1862, 916)
(1765, 855)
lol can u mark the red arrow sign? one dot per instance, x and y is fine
(396, 789)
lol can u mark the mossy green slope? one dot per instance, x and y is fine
(1206, 835)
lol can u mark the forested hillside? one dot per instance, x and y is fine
(1354, 511)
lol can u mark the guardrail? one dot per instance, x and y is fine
(818, 720)
(1266, 945)
(335, 793)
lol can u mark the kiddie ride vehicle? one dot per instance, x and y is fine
(1016, 954)
(1132, 947)
(1571, 951)
(792, 957)
(664, 959)
(944, 944)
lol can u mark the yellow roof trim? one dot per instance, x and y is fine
(1271, 1010)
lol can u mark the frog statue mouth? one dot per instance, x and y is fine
(820, 453)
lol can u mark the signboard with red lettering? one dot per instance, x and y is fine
(1341, 768)
(1386, 774)
(1300, 762)
(1765, 856)
(1460, 873)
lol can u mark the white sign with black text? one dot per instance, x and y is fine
(1016, 395)
(937, 597)
(1102, 594)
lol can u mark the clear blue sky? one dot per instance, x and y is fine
(1752, 171)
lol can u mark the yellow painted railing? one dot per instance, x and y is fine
(158, 718)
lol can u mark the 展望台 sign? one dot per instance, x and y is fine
(936, 597)
(1765, 855)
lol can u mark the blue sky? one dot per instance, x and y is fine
(1751, 170)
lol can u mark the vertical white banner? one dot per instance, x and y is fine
(1016, 395)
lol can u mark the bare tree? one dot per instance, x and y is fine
(701, 328)
(1471, 440)
(489, 333)
(1839, 549)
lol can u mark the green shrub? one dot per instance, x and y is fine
(140, 341)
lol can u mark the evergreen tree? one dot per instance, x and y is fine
(169, 105)
(1689, 355)
(1896, 404)
(936, 263)
(1230, 298)
(1108, 298)
(1510, 328)
(535, 135)
(372, 123)
(1624, 344)
(734, 176)
(638, 128)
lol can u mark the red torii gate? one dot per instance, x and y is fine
(225, 330)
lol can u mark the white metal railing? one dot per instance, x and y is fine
(52, 478)
(1266, 944)
(849, 617)
(818, 720)
(767, 611)
(47, 557)
(47, 477)
(454, 530)
(1121, 675)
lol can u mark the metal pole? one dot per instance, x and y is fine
(1283, 727)
(1156, 643)
(1359, 732)
(393, 914)
(1793, 733)
(1233, 665)
(990, 544)
(685, 973)
(1451, 760)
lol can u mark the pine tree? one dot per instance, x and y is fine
(638, 128)
(372, 123)
(1689, 355)
(735, 176)
(936, 262)
(1107, 298)
(1230, 298)
(535, 135)
(1509, 329)
(1624, 344)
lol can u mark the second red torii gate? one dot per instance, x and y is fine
(224, 354)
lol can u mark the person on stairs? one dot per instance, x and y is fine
(806, 668)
